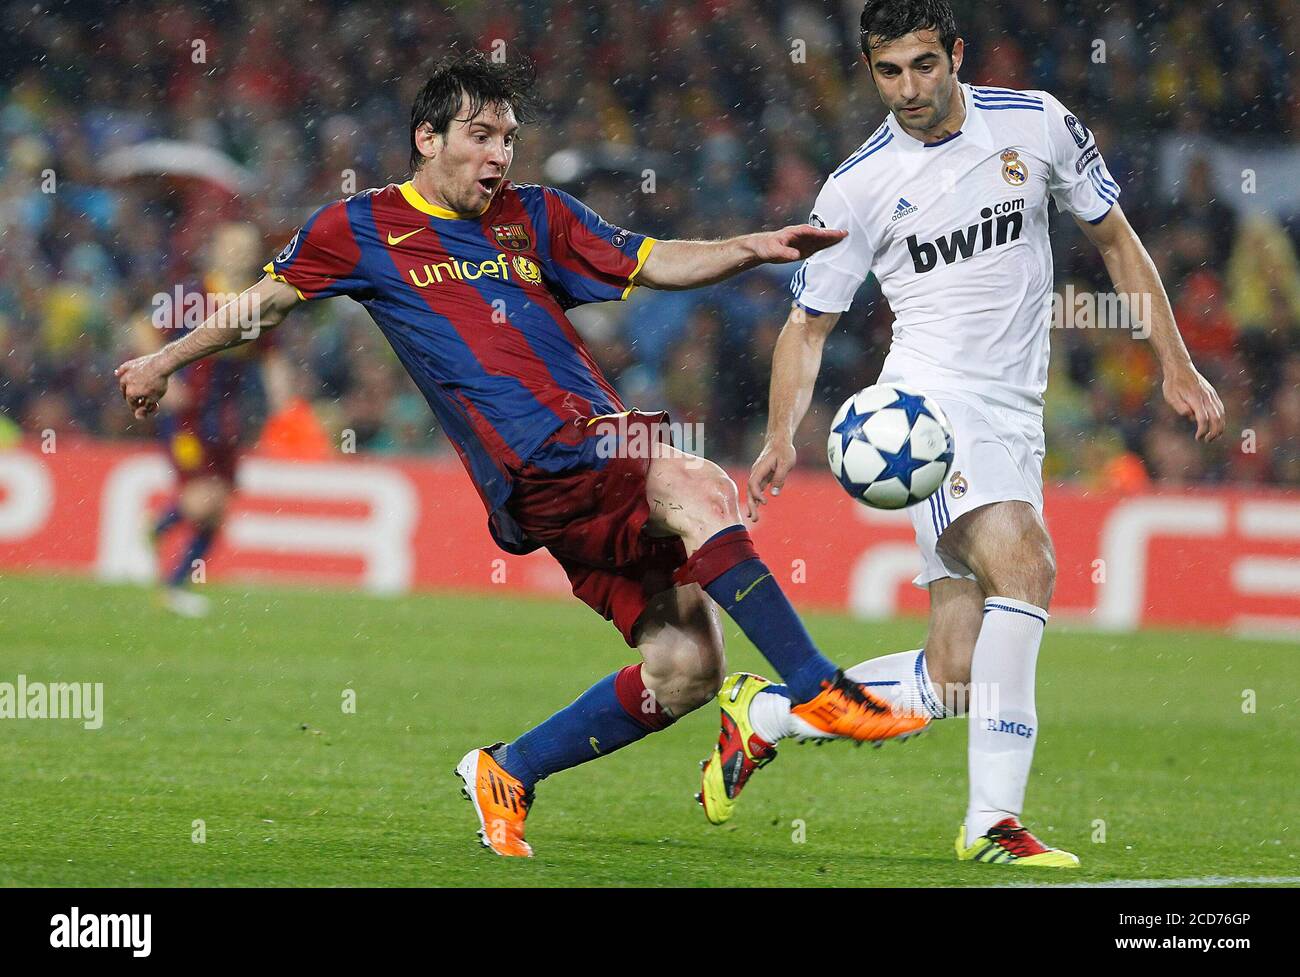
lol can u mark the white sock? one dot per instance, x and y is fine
(900, 679)
(769, 714)
(1003, 720)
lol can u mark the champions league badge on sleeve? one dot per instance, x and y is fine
(1078, 131)
(288, 250)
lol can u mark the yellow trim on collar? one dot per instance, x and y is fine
(642, 253)
(416, 200)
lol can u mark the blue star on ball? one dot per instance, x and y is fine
(900, 465)
(848, 428)
(913, 405)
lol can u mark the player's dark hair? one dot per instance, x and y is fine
(888, 20)
(486, 83)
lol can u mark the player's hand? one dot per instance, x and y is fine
(770, 470)
(795, 243)
(1192, 396)
(143, 384)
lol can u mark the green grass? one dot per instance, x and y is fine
(237, 721)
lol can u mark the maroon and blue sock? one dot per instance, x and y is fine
(728, 568)
(198, 548)
(165, 522)
(614, 712)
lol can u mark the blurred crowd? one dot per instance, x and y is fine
(692, 118)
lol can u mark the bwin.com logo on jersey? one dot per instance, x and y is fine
(997, 225)
(903, 209)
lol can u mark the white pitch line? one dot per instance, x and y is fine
(1197, 882)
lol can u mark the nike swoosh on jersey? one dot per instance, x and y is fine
(742, 594)
(399, 240)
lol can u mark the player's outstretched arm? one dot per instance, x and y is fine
(143, 380)
(795, 364)
(1134, 273)
(690, 264)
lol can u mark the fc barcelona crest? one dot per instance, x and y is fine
(512, 237)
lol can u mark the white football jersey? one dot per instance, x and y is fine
(956, 232)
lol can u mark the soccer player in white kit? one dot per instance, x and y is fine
(947, 203)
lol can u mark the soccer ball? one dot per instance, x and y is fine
(890, 446)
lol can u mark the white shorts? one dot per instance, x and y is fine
(998, 458)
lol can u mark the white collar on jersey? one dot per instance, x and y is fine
(973, 130)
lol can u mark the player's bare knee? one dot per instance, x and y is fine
(1028, 572)
(1040, 568)
(700, 688)
(718, 499)
(703, 666)
(687, 680)
(708, 503)
(682, 642)
(1047, 569)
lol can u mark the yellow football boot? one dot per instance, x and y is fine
(739, 752)
(1009, 843)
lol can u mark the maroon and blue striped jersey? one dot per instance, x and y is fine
(474, 307)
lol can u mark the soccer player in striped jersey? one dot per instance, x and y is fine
(206, 426)
(947, 203)
(469, 276)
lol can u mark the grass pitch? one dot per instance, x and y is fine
(238, 722)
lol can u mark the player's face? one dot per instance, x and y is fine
(915, 80)
(473, 158)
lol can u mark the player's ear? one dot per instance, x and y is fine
(958, 50)
(426, 140)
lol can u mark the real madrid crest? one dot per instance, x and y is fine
(1014, 171)
(512, 237)
(527, 269)
(957, 485)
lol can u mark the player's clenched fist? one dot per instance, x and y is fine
(771, 469)
(142, 383)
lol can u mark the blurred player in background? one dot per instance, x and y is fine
(469, 277)
(205, 425)
(947, 203)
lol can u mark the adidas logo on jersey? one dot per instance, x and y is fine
(903, 209)
(999, 224)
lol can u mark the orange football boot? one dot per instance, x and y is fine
(500, 801)
(846, 708)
